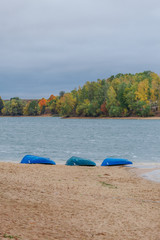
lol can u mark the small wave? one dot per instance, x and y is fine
(153, 175)
(148, 165)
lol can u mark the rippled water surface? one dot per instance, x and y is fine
(95, 139)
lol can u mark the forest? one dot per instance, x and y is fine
(122, 95)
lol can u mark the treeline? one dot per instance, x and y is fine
(122, 95)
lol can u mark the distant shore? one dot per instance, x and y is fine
(125, 118)
(136, 118)
(63, 202)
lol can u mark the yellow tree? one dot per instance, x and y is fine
(142, 93)
(155, 89)
(115, 83)
(111, 97)
(25, 109)
(67, 104)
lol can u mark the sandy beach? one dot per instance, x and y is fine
(122, 118)
(85, 203)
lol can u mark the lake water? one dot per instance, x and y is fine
(95, 139)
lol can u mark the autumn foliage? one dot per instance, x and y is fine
(42, 102)
(103, 108)
(121, 95)
(52, 97)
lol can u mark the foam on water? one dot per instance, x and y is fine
(152, 171)
(153, 175)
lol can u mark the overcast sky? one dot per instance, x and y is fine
(51, 45)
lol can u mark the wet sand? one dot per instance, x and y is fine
(63, 202)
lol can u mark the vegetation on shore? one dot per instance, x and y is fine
(122, 95)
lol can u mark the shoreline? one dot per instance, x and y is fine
(63, 202)
(123, 118)
(148, 173)
(113, 118)
(143, 170)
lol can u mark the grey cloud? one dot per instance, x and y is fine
(60, 44)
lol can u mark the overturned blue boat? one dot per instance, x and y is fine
(30, 159)
(78, 161)
(115, 161)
